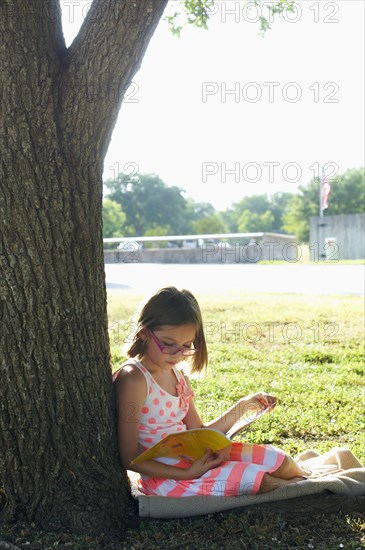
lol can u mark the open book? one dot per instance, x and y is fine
(252, 413)
(191, 444)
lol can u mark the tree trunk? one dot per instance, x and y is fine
(58, 452)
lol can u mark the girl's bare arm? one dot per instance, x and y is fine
(243, 407)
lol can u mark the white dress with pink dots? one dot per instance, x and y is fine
(163, 414)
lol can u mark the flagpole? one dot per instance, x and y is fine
(320, 195)
(320, 224)
(324, 193)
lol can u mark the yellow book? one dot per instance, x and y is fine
(192, 444)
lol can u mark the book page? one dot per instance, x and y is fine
(252, 414)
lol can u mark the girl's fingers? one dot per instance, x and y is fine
(214, 459)
(266, 398)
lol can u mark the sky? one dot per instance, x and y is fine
(227, 113)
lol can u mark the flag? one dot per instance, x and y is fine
(325, 191)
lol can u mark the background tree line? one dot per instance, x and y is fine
(144, 205)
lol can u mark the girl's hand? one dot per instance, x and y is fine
(260, 400)
(206, 462)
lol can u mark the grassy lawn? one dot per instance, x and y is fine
(308, 262)
(306, 350)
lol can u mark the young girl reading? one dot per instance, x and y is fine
(155, 399)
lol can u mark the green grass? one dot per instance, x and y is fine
(308, 262)
(306, 350)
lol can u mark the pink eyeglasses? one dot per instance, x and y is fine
(171, 349)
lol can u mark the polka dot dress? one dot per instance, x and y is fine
(163, 414)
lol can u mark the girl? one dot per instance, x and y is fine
(155, 399)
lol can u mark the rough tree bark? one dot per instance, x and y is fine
(58, 459)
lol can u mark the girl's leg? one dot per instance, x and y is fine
(289, 469)
(269, 482)
(288, 472)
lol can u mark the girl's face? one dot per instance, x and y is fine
(168, 336)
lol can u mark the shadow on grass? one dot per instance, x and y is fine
(321, 522)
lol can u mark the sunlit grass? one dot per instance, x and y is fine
(306, 350)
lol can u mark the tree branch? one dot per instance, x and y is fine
(102, 61)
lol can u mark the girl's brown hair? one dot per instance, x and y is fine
(170, 306)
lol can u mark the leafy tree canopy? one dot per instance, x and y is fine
(252, 222)
(113, 219)
(200, 209)
(259, 213)
(149, 203)
(209, 224)
(198, 12)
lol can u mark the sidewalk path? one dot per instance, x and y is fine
(291, 278)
